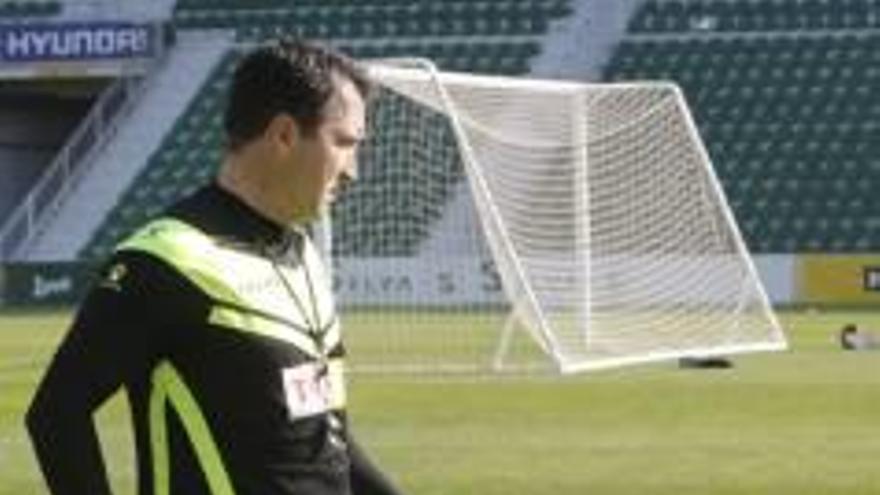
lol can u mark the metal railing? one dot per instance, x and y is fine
(68, 165)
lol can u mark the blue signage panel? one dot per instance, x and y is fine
(76, 41)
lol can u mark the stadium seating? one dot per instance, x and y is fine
(29, 8)
(789, 118)
(353, 20)
(507, 36)
(659, 16)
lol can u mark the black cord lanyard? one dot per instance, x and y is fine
(314, 328)
(315, 331)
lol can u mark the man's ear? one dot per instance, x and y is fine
(283, 131)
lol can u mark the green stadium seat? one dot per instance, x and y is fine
(784, 117)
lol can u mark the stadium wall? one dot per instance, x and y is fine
(813, 280)
(839, 279)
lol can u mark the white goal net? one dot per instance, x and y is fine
(502, 223)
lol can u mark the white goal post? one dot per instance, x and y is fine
(510, 223)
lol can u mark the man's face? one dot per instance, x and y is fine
(324, 160)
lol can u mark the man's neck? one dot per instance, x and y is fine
(236, 179)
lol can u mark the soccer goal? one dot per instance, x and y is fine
(506, 224)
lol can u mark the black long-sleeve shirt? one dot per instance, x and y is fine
(217, 406)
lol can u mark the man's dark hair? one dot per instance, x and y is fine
(846, 333)
(289, 76)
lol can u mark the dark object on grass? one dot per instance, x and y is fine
(854, 338)
(705, 363)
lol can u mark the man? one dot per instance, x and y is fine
(217, 318)
(854, 338)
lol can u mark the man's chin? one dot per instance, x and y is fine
(305, 217)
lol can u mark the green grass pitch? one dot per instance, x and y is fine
(802, 422)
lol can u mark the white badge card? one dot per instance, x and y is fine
(308, 389)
